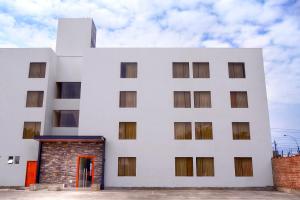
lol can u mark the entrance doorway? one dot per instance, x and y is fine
(85, 172)
(31, 172)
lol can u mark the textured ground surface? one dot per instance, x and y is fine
(145, 194)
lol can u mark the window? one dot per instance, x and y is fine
(243, 166)
(236, 70)
(202, 99)
(17, 160)
(65, 118)
(127, 99)
(34, 99)
(239, 99)
(183, 166)
(127, 130)
(203, 131)
(183, 130)
(126, 166)
(201, 70)
(68, 90)
(181, 70)
(205, 166)
(10, 160)
(128, 70)
(31, 129)
(37, 70)
(182, 99)
(240, 130)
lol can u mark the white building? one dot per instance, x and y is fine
(161, 117)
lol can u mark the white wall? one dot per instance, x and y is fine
(14, 84)
(155, 147)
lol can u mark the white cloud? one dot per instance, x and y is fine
(272, 25)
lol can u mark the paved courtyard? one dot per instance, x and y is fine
(145, 194)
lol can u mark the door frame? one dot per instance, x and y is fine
(29, 161)
(78, 163)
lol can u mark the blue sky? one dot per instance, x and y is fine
(273, 25)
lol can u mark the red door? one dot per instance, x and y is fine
(31, 173)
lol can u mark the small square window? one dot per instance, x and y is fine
(201, 70)
(181, 70)
(202, 99)
(37, 70)
(34, 99)
(10, 160)
(31, 129)
(236, 70)
(182, 99)
(183, 130)
(128, 70)
(239, 99)
(127, 99)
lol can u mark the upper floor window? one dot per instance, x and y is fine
(201, 70)
(184, 166)
(181, 70)
(65, 118)
(31, 129)
(128, 70)
(202, 99)
(68, 90)
(127, 99)
(127, 130)
(243, 166)
(240, 130)
(182, 99)
(183, 130)
(203, 131)
(126, 166)
(34, 99)
(236, 70)
(205, 166)
(37, 70)
(239, 99)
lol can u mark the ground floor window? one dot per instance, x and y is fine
(243, 166)
(183, 166)
(126, 166)
(205, 166)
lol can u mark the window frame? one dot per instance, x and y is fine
(202, 172)
(43, 67)
(56, 121)
(187, 130)
(238, 136)
(233, 99)
(186, 95)
(232, 68)
(200, 136)
(198, 94)
(189, 167)
(199, 65)
(59, 90)
(124, 70)
(122, 99)
(243, 173)
(40, 99)
(36, 131)
(122, 169)
(125, 135)
(185, 69)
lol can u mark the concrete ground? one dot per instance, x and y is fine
(145, 194)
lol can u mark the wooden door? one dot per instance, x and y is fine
(31, 172)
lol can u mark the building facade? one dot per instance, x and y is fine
(132, 117)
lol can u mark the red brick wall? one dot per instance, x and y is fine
(59, 161)
(286, 172)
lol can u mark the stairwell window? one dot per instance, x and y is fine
(127, 99)
(126, 166)
(205, 166)
(240, 130)
(239, 99)
(37, 70)
(236, 70)
(31, 129)
(201, 70)
(181, 70)
(34, 99)
(128, 70)
(68, 90)
(65, 118)
(203, 131)
(182, 99)
(127, 130)
(183, 130)
(202, 99)
(184, 166)
(243, 166)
